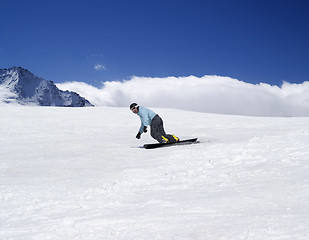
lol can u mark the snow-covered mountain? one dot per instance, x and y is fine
(20, 85)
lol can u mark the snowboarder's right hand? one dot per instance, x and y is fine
(138, 135)
(145, 129)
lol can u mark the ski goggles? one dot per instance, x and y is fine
(135, 107)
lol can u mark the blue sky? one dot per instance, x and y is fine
(95, 41)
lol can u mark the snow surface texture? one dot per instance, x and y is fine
(18, 85)
(78, 173)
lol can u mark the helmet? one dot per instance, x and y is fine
(133, 105)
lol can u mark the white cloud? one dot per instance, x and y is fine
(213, 94)
(99, 67)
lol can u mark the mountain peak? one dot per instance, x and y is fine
(26, 88)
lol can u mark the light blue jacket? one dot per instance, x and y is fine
(146, 115)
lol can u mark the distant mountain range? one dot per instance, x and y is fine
(20, 85)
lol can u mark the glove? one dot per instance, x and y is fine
(145, 129)
(138, 135)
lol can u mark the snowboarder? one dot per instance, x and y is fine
(148, 117)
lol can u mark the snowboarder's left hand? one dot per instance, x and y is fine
(138, 135)
(145, 129)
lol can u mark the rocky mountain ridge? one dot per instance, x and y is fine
(21, 86)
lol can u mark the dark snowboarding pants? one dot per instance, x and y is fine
(157, 130)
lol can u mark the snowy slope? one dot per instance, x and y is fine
(18, 85)
(78, 173)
